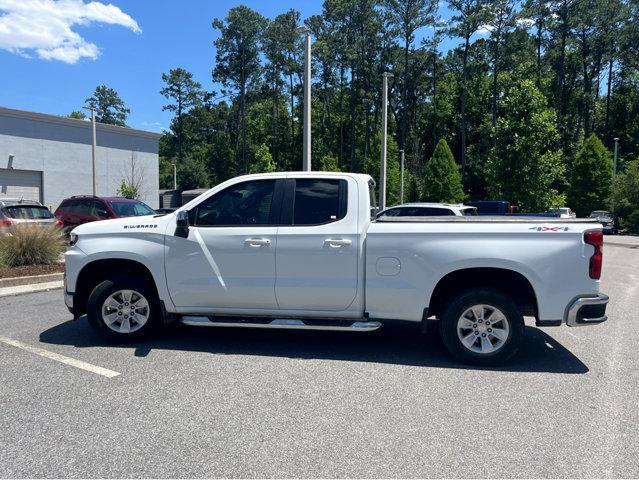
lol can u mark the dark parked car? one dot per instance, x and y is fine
(81, 209)
(607, 220)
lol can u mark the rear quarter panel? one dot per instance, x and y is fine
(555, 262)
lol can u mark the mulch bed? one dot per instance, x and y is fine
(28, 270)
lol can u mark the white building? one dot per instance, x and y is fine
(48, 158)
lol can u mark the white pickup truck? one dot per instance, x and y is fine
(299, 250)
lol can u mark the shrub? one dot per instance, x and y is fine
(626, 197)
(30, 245)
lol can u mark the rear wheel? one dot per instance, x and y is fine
(123, 309)
(482, 327)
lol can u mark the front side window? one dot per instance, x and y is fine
(248, 203)
(130, 209)
(319, 201)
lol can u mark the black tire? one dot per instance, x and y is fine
(110, 286)
(458, 305)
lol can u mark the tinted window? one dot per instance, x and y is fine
(80, 207)
(393, 212)
(130, 209)
(29, 212)
(247, 203)
(425, 212)
(319, 201)
(466, 212)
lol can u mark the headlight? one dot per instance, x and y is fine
(73, 239)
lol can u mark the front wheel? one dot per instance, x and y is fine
(482, 327)
(123, 309)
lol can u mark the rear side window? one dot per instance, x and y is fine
(319, 201)
(425, 212)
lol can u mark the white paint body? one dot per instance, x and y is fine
(344, 269)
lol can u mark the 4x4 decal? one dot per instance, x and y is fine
(550, 229)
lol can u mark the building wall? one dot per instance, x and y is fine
(60, 148)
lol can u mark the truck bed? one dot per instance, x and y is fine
(484, 219)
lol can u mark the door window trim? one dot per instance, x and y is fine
(274, 214)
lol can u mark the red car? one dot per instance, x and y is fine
(80, 209)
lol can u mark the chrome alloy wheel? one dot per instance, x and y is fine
(125, 311)
(483, 329)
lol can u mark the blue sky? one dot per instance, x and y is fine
(137, 41)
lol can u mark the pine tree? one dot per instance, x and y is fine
(442, 180)
(591, 177)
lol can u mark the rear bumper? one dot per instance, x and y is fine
(586, 311)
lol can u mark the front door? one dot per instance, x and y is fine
(228, 259)
(317, 246)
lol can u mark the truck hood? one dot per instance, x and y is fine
(146, 223)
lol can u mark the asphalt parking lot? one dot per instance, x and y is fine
(225, 402)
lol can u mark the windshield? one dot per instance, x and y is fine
(466, 212)
(600, 214)
(29, 212)
(131, 209)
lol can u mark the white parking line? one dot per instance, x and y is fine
(105, 372)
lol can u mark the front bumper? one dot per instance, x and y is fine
(586, 311)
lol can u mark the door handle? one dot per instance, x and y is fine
(337, 242)
(257, 242)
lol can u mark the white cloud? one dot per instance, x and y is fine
(45, 27)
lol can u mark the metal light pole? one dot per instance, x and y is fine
(93, 145)
(614, 173)
(382, 169)
(401, 177)
(306, 160)
(174, 176)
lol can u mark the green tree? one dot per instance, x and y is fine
(110, 107)
(192, 173)
(442, 180)
(127, 190)
(184, 93)
(469, 16)
(525, 166)
(237, 59)
(263, 161)
(408, 16)
(591, 176)
(392, 167)
(626, 197)
(78, 115)
(329, 163)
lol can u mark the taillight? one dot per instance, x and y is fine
(596, 240)
(5, 222)
(58, 222)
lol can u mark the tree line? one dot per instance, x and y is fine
(527, 103)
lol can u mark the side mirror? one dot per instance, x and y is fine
(182, 224)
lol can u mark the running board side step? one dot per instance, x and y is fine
(282, 323)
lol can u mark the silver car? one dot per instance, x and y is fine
(25, 212)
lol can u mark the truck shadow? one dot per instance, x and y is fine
(398, 345)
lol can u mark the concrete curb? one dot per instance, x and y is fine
(32, 288)
(30, 280)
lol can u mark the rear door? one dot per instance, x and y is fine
(317, 245)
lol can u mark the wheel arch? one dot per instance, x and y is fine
(95, 272)
(510, 282)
